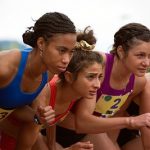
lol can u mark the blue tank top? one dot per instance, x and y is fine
(11, 96)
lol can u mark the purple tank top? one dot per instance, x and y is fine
(110, 100)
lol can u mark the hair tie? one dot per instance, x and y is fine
(84, 45)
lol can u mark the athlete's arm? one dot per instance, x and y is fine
(30, 129)
(87, 123)
(144, 104)
(9, 62)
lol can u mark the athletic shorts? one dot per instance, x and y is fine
(66, 137)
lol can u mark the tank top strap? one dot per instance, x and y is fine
(24, 56)
(108, 68)
(52, 85)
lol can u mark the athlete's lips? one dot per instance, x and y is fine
(142, 69)
(61, 69)
(93, 92)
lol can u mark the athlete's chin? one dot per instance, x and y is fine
(140, 73)
(57, 70)
(90, 96)
(61, 69)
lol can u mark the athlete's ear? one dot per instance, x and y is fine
(68, 77)
(120, 52)
(41, 43)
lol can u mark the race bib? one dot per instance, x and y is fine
(108, 105)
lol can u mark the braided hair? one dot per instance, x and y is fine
(129, 35)
(47, 26)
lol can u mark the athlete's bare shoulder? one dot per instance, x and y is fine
(9, 62)
(139, 84)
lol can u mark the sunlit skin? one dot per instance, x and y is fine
(51, 39)
(58, 52)
(55, 58)
(88, 81)
(138, 59)
(134, 61)
(85, 85)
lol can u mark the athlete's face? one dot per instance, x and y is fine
(58, 52)
(138, 59)
(88, 81)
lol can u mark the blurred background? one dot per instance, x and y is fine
(104, 16)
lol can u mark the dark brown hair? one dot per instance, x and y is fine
(128, 35)
(83, 58)
(47, 26)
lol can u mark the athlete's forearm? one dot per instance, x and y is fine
(145, 136)
(28, 131)
(93, 124)
(98, 125)
(51, 137)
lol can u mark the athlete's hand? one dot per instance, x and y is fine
(140, 121)
(46, 114)
(81, 146)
